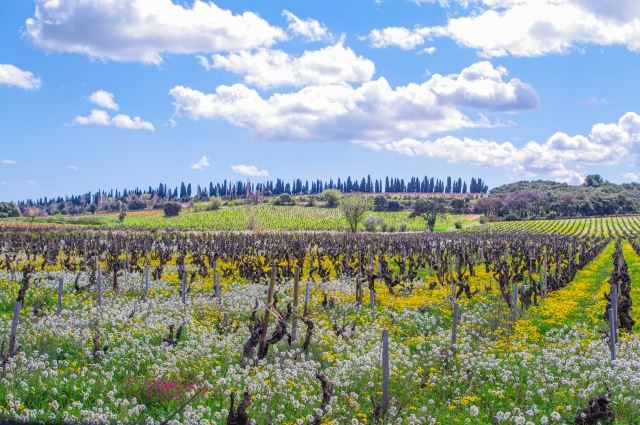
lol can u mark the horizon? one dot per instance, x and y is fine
(253, 91)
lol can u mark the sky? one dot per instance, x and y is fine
(100, 94)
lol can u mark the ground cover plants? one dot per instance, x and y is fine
(222, 330)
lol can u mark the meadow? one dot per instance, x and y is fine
(170, 328)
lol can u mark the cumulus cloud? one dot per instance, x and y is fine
(373, 111)
(561, 156)
(270, 68)
(249, 170)
(528, 27)
(72, 167)
(9, 161)
(144, 30)
(101, 117)
(201, 164)
(104, 99)
(11, 75)
(309, 29)
(401, 37)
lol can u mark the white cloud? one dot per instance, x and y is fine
(72, 167)
(9, 161)
(100, 117)
(11, 75)
(633, 177)
(97, 117)
(249, 170)
(529, 27)
(310, 29)
(373, 111)
(144, 30)
(270, 68)
(201, 164)
(404, 38)
(428, 50)
(135, 123)
(560, 157)
(595, 101)
(104, 99)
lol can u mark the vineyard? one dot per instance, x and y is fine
(523, 322)
(265, 217)
(600, 226)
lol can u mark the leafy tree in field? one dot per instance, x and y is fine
(9, 209)
(171, 209)
(429, 209)
(331, 197)
(593, 180)
(354, 208)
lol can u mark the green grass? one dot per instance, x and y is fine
(268, 217)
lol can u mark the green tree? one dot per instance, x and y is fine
(354, 208)
(332, 197)
(429, 209)
(593, 180)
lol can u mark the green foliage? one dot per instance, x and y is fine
(593, 180)
(332, 197)
(9, 209)
(214, 204)
(354, 208)
(429, 209)
(171, 209)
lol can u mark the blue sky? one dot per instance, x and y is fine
(199, 91)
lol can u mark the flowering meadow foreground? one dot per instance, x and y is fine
(181, 355)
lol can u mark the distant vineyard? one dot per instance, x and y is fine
(596, 226)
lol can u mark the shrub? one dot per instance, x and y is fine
(458, 224)
(136, 205)
(379, 203)
(393, 206)
(552, 215)
(392, 228)
(284, 199)
(403, 227)
(511, 217)
(9, 209)
(171, 209)
(332, 197)
(121, 216)
(214, 204)
(483, 219)
(372, 223)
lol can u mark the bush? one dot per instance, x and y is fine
(379, 203)
(284, 199)
(392, 228)
(393, 206)
(552, 215)
(136, 205)
(511, 217)
(171, 209)
(214, 204)
(372, 223)
(9, 209)
(483, 219)
(121, 216)
(332, 197)
(232, 203)
(403, 227)
(458, 224)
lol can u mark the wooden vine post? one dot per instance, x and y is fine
(296, 289)
(307, 291)
(99, 285)
(385, 370)
(372, 304)
(60, 288)
(146, 283)
(267, 311)
(183, 288)
(454, 326)
(515, 300)
(14, 327)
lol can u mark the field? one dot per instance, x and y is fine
(181, 347)
(599, 226)
(267, 217)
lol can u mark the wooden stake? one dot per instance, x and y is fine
(146, 282)
(306, 298)
(99, 285)
(372, 304)
(385, 370)
(296, 289)
(454, 327)
(60, 287)
(14, 327)
(183, 288)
